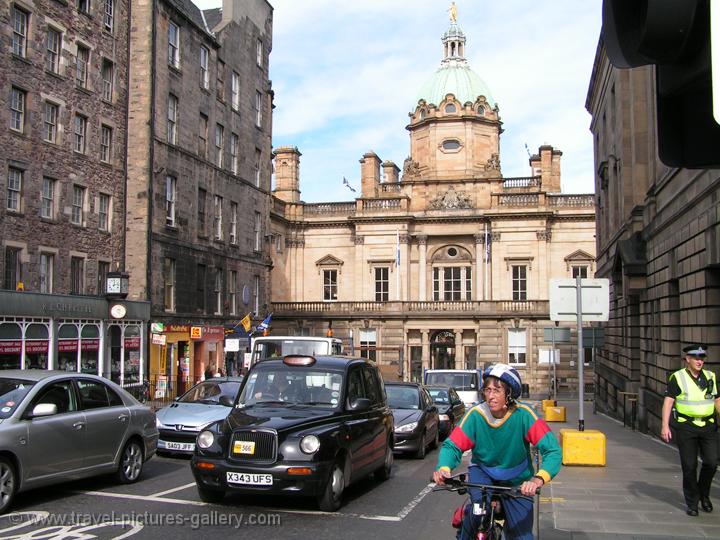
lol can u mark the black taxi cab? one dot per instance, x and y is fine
(301, 425)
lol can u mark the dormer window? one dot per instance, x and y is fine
(450, 108)
(481, 110)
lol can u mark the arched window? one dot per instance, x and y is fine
(481, 110)
(450, 108)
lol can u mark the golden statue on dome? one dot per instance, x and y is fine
(453, 12)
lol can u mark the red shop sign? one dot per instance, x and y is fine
(67, 345)
(10, 347)
(36, 346)
(90, 344)
(132, 342)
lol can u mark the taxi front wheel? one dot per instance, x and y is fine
(331, 498)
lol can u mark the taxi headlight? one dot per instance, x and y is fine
(205, 439)
(309, 444)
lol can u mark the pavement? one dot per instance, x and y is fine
(636, 495)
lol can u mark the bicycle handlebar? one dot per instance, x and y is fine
(455, 483)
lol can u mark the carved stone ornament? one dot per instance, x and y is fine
(493, 164)
(544, 235)
(451, 200)
(359, 240)
(411, 168)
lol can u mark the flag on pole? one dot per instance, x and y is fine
(246, 321)
(347, 184)
(265, 324)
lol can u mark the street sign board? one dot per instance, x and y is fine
(595, 299)
(562, 335)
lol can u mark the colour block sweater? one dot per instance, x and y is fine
(501, 446)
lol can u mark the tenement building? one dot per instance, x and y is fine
(658, 242)
(199, 165)
(443, 263)
(64, 79)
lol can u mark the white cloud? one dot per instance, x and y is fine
(346, 74)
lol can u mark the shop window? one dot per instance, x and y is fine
(36, 346)
(10, 345)
(68, 347)
(131, 372)
(90, 348)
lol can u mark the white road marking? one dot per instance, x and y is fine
(412, 504)
(173, 490)
(140, 497)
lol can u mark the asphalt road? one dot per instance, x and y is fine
(165, 504)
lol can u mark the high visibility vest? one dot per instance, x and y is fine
(694, 402)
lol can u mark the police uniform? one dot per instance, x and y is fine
(694, 429)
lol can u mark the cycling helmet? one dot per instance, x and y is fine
(508, 375)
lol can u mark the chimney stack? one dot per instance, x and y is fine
(370, 174)
(287, 173)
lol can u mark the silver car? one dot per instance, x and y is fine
(205, 403)
(57, 426)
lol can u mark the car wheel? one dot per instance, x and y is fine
(131, 463)
(436, 440)
(8, 484)
(331, 498)
(420, 453)
(210, 495)
(383, 473)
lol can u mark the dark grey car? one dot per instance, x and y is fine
(57, 426)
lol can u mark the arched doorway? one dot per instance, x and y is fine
(442, 350)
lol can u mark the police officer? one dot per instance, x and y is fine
(689, 411)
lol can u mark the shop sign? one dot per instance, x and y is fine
(10, 347)
(196, 332)
(215, 333)
(159, 339)
(132, 342)
(40, 346)
(177, 328)
(157, 327)
(161, 386)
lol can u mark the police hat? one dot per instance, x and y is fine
(697, 349)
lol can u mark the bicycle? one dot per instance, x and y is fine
(490, 528)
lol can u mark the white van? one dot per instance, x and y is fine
(466, 382)
(277, 346)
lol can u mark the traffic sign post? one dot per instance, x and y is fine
(592, 303)
(555, 335)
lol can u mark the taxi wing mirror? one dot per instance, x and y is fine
(359, 404)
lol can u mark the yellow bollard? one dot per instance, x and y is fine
(555, 414)
(583, 447)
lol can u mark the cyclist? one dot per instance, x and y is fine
(499, 431)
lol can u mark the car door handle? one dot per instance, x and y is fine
(79, 425)
(122, 417)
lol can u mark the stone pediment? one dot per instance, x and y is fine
(451, 200)
(579, 255)
(329, 260)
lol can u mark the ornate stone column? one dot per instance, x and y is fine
(425, 349)
(459, 350)
(422, 266)
(479, 262)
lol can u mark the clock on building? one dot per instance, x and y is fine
(116, 284)
(118, 311)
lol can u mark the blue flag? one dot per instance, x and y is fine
(265, 324)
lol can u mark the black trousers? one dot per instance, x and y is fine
(690, 442)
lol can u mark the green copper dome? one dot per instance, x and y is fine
(454, 75)
(459, 80)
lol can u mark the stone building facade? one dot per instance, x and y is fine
(658, 234)
(443, 262)
(64, 80)
(198, 175)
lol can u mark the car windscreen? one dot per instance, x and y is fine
(463, 382)
(284, 347)
(291, 385)
(439, 395)
(210, 392)
(402, 397)
(12, 392)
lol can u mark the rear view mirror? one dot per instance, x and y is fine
(359, 404)
(44, 409)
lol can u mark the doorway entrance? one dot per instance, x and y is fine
(442, 350)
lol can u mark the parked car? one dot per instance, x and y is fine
(180, 422)
(417, 423)
(451, 409)
(466, 382)
(301, 426)
(57, 426)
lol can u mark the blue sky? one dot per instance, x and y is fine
(346, 75)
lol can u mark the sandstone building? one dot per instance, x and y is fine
(443, 262)
(199, 160)
(658, 234)
(64, 79)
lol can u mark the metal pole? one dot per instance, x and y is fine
(552, 359)
(581, 381)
